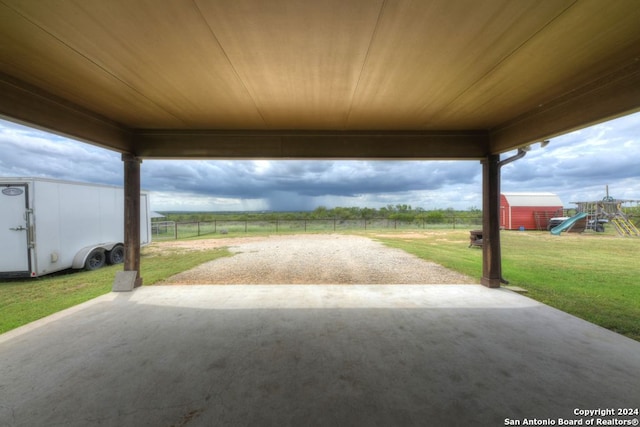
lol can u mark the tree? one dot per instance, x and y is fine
(435, 217)
(321, 212)
(368, 213)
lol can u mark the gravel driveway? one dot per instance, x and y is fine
(313, 259)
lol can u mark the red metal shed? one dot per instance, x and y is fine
(529, 210)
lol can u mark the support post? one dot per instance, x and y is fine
(132, 215)
(491, 256)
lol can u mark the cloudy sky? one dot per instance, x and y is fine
(576, 166)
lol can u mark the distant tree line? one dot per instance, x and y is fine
(400, 212)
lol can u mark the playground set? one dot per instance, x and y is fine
(594, 215)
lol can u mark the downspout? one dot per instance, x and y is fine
(522, 151)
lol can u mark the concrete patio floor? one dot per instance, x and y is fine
(368, 355)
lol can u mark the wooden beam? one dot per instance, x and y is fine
(491, 255)
(32, 106)
(132, 215)
(471, 145)
(609, 97)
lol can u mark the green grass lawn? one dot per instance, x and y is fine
(593, 276)
(23, 301)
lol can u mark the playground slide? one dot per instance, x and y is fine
(566, 224)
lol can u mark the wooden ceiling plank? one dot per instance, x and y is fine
(39, 59)
(607, 98)
(428, 53)
(579, 47)
(299, 60)
(31, 106)
(311, 145)
(162, 54)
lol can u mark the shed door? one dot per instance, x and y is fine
(14, 252)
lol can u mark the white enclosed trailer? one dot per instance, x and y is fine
(49, 225)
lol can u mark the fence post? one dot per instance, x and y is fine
(365, 225)
(334, 224)
(198, 228)
(175, 224)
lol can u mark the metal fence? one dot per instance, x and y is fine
(180, 230)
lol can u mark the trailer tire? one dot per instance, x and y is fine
(95, 260)
(116, 255)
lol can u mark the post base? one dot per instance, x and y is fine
(126, 281)
(490, 283)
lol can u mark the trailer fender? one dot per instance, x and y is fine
(80, 259)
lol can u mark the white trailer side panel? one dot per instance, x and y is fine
(64, 217)
(69, 217)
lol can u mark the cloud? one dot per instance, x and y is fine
(304, 179)
(28, 152)
(576, 166)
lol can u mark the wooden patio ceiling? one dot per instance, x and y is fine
(426, 79)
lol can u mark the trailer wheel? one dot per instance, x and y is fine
(95, 260)
(116, 255)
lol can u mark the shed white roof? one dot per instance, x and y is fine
(532, 199)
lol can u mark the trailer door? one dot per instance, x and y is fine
(14, 230)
